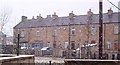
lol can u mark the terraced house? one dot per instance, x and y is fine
(73, 35)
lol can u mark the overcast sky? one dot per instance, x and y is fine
(30, 8)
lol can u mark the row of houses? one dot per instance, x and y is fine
(73, 35)
(6, 44)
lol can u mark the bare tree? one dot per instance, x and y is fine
(4, 16)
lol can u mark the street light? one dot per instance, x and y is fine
(100, 29)
(18, 38)
(18, 42)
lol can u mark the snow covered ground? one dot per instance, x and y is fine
(47, 59)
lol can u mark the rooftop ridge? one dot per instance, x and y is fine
(78, 19)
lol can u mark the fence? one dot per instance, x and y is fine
(49, 63)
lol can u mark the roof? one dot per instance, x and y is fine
(88, 45)
(78, 19)
(1, 33)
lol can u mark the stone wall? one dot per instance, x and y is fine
(18, 60)
(91, 62)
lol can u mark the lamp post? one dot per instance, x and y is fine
(100, 29)
(69, 47)
(18, 38)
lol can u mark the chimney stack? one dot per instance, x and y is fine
(39, 17)
(48, 16)
(71, 15)
(24, 18)
(110, 12)
(33, 17)
(54, 16)
(89, 13)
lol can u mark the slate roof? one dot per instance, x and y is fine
(78, 19)
(1, 33)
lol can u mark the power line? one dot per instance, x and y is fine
(113, 4)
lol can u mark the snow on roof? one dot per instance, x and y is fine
(89, 45)
(44, 48)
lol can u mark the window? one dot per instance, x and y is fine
(85, 44)
(93, 30)
(66, 45)
(93, 42)
(54, 32)
(35, 45)
(22, 33)
(73, 31)
(23, 45)
(115, 45)
(108, 44)
(54, 44)
(48, 44)
(73, 45)
(37, 33)
(116, 29)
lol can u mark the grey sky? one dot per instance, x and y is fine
(32, 8)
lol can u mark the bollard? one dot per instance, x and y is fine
(50, 63)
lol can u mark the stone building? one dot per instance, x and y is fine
(2, 38)
(67, 34)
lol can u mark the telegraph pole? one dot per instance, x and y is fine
(18, 44)
(69, 49)
(100, 29)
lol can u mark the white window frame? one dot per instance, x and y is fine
(73, 30)
(48, 43)
(93, 30)
(37, 33)
(116, 29)
(22, 33)
(54, 32)
(66, 44)
(108, 45)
